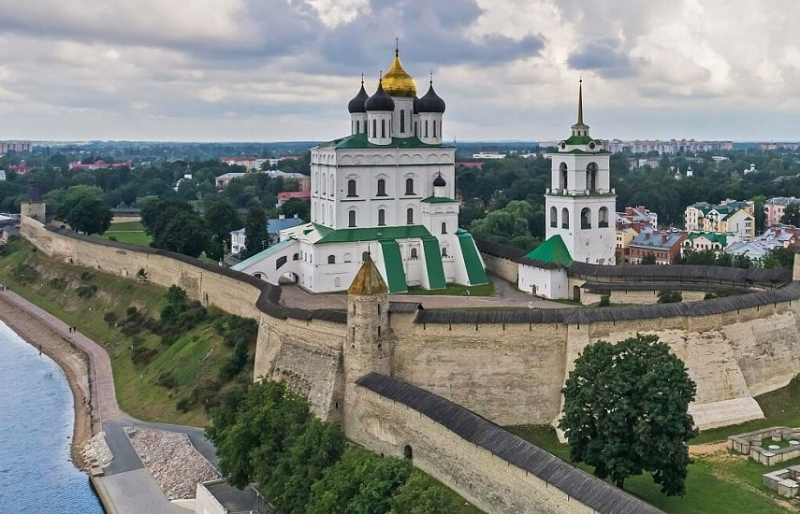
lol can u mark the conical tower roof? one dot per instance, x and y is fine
(368, 280)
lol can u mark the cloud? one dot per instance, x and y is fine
(605, 56)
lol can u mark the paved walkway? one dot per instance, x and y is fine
(505, 296)
(126, 483)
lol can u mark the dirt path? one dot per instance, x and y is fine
(72, 360)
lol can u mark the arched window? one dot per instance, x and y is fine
(409, 216)
(324, 186)
(553, 217)
(351, 218)
(358, 126)
(409, 186)
(564, 218)
(381, 187)
(337, 282)
(296, 257)
(586, 218)
(444, 228)
(414, 254)
(383, 128)
(381, 217)
(402, 121)
(444, 252)
(562, 181)
(434, 128)
(426, 128)
(351, 188)
(415, 129)
(602, 215)
(591, 177)
(331, 259)
(331, 190)
(348, 257)
(374, 128)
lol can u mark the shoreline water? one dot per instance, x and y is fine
(71, 359)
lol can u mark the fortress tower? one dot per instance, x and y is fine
(580, 202)
(34, 207)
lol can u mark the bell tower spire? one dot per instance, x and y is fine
(580, 129)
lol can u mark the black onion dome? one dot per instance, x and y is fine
(431, 102)
(380, 101)
(356, 105)
(439, 181)
(416, 105)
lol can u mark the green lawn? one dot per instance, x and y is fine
(194, 358)
(455, 290)
(721, 483)
(131, 232)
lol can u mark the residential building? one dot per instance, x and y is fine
(729, 216)
(755, 250)
(303, 180)
(488, 155)
(639, 214)
(98, 165)
(274, 227)
(672, 146)
(293, 195)
(774, 207)
(21, 169)
(784, 235)
(15, 146)
(704, 241)
(249, 163)
(665, 246)
(223, 180)
(385, 190)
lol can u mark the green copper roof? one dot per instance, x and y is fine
(714, 237)
(472, 260)
(552, 251)
(361, 141)
(433, 263)
(395, 275)
(578, 140)
(350, 235)
(598, 152)
(438, 199)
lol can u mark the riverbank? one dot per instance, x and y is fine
(70, 358)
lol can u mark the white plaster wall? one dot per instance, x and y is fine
(549, 283)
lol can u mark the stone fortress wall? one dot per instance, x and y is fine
(506, 366)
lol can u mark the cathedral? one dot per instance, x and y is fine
(580, 207)
(386, 190)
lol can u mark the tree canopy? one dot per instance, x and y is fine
(791, 214)
(626, 412)
(85, 210)
(256, 236)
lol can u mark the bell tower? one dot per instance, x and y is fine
(580, 203)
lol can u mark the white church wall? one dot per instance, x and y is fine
(552, 284)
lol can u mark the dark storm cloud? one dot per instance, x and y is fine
(604, 56)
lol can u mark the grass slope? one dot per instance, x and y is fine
(131, 232)
(195, 357)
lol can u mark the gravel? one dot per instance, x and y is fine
(172, 460)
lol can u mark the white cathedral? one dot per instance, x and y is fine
(580, 207)
(388, 189)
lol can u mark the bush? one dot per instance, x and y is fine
(112, 238)
(605, 300)
(110, 318)
(142, 274)
(669, 296)
(183, 405)
(141, 355)
(235, 363)
(58, 283)
(25, 273)
(86, 276)
(168, 380)
(130, 311)
(717, 293)
(86, 291)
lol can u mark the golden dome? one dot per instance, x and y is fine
(397, 82)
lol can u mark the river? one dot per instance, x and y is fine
(36, 422)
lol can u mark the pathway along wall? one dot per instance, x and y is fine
(508, 366)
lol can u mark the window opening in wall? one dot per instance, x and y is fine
(351, 188)
(586, 218)
(414, 254)
(426, 128)
(434, 128)
(381, 217)
(553, 217)
(351, 215)
(358, 127)
(402, 121)
(408, 452)
(603, 218)
(591, 177)
(383, 128)
(444, 228)
(331, 259)
(409, 216)
(444, 252)
(562, 177)
(564, 218)
(374, 128)
(381, 187)
(379, 334)
(409, 186)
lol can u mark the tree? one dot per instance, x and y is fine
(157, 213)
(420, 495)
(222, 218)
(669, 296)
(779, 258)
(85, 210)
(649, 259)
(256, 238)
(791, 214)
(296, 207)
(186, 233)
(626, 412)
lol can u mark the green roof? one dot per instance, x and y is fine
(472, 260)
(578, 140)
(439, 199)
(714, 237)
(361, 141)
(350, 235)
(552, 251)
(576, 151)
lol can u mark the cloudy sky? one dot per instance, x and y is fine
(265, 70)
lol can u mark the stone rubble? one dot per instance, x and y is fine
(96, 452)
(172, 460)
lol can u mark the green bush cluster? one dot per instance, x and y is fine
(264, 433)
(179, 315)
(86, 291)
(25, 273)
(58, 283)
